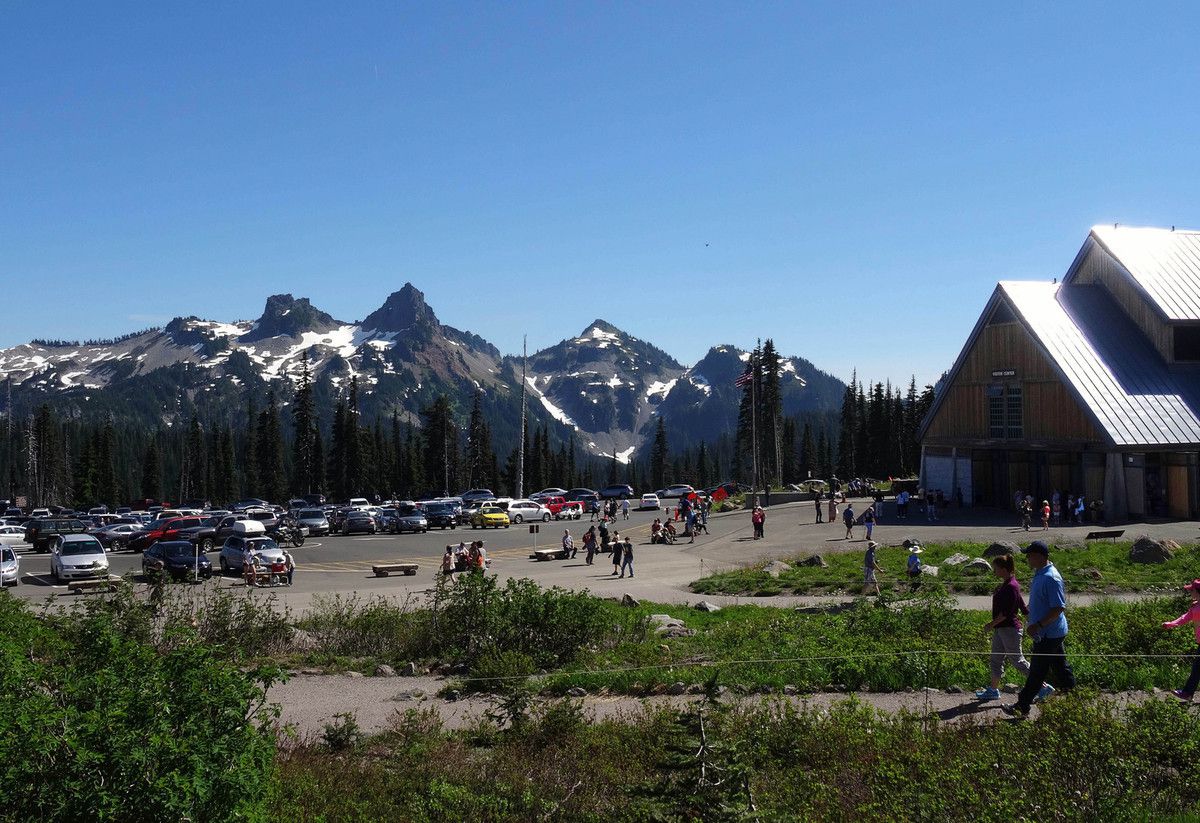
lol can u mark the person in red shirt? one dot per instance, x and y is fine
(1045, 515)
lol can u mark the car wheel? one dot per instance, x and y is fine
(546, 517)
(517, 519)
(118, 544)
(506, 525)
(206, 545)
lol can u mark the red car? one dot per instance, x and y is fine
(561, 509)
(168, 529)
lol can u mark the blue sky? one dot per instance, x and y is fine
(850, 180)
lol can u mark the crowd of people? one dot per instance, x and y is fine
(1059, 509)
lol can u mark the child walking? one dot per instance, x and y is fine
(1192, 615)
(1005, 625)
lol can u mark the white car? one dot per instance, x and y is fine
(677, 490)
(650, 501)
(528, 511)
(12, 535)
(77, 555)
(10, 567)
(553, 491)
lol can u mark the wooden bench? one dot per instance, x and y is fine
(549, 554)
(399, 568)
(93, 585)
(1113, 534)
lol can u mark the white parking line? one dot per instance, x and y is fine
(46, 582)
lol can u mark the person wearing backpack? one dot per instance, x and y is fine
(616, 554)
(848, 520)
(868, 520)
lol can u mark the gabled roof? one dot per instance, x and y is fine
(1120, 381)
(1163, 263)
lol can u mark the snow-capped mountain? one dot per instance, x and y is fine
(605, 386)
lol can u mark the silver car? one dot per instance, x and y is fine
(236, 549)
(77, 555)
(314, 520)
(10, 567)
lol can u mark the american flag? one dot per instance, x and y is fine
(745, 378)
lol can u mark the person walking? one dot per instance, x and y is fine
(868, 519)
(870, 566)
(833, 508)
(1005, 626)
(289, 566)
(1026, 513)
(1192, 615)
(624, 508)
(1047, 627)
(448, 561)
(1045, 515)
(848, 520)
(568, 545)
(589, 545)
(817, 500)
(627, 557)
(616, 553)
(757, 518)
(603, 536)
(914, 566)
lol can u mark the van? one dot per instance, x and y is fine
(249, 528)
(359, 503)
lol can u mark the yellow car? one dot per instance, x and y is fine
(489, 516)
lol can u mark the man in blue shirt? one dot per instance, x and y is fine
(1048, 628)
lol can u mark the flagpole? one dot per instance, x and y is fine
(521, 444)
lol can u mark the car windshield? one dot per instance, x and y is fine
(7, 556)
(262, 544)
(82, 547)
(491, 510)
(312, 514)
(179, 550)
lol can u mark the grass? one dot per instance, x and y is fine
(884, 646)
(844, 572)
(771, 761)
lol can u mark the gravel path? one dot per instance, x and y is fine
(308, 702)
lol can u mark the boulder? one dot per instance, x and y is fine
(956, 559)
(815, 560)
(978, 565)
(577, 691)
(677, 688)
(667, 626)
(1010, 688)
(661, 620)
(932, 571)
(384, 670)
(790, 690)
(353, 674)
(776, 568)
(705, 606)
(1001, 548)
(408, 670)
(1145, 550)
(630, 601)
(1091, 573)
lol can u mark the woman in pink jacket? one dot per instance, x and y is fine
(1192, 615)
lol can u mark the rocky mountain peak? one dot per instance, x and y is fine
(290, 316)
(402, 310)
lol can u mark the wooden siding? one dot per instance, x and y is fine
(1049, 412)
(1100, 269)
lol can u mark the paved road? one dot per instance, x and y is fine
(343, 564)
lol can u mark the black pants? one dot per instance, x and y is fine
(1194, 679)
(1048, 658)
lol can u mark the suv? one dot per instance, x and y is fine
(617, 491)
(163, 529)
(441, 515)
(41, 531)
(477, 494)
(406, 517)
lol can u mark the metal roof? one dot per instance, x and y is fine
(1165, 263)
(1130, 392)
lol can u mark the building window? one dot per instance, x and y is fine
(1187, 343)
(995, 398)
(1005, 413)
(1013, 417)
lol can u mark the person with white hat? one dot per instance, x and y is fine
(870, 566)
(914, 565)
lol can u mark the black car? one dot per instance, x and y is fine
(357, 522)
(589, 499)
(176, 559)
(617, 491)
(440, 516)
(41, 531)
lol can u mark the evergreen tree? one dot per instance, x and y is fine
(337, 454)
(441, 444)
(249, 453)
(480, 457)
(808, 453)
(151, 471)
(225, 474)
(191, 476)
(826, 456)
(318, 462)
(107, 486)
(846, 467)
(704, 472)
(788, 469)
(352, 437)
(304, 430)
(271, 478)
(85, 472)
(770, 404)
(659, 455)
